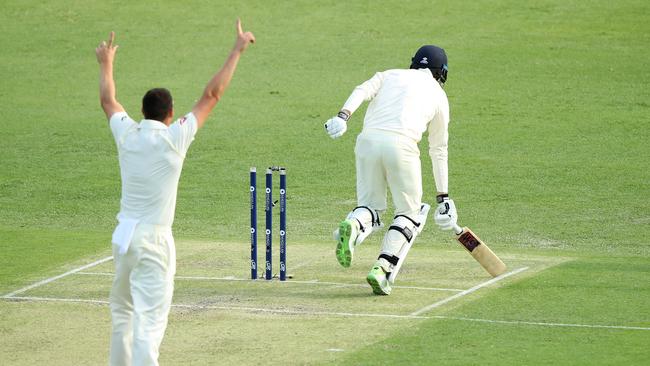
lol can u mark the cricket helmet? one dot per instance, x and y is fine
(433, 58)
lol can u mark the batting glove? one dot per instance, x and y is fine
(336, 126)
(446, 215)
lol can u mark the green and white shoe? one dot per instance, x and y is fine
(378, 281)
(347, 236)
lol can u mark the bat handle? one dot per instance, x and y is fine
(457, 229)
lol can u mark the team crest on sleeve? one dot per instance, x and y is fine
(182, 120)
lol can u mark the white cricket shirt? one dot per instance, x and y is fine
(408, 102)
(151, 158)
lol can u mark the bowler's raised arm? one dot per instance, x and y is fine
(105, 53)
(219, 82)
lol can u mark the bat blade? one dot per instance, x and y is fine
(481, 252)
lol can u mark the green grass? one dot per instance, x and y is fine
(586, 292)
(548, 158)
(30, 254)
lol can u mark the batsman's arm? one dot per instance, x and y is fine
(364, 92)
(438, 142)
(337, 125)
(105, 53)
(220, 81)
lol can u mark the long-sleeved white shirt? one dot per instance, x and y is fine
(408, 102)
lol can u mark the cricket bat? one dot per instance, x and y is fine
(481, 252)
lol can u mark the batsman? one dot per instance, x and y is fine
(404, 103)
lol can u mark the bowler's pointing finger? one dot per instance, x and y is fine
(239, 31)
(111, 38)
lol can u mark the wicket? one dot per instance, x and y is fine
(269, 222)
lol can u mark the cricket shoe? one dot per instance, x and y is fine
(378, 280)
(347, 236)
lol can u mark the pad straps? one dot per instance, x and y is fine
(408, 234)
(392, 259)
(373, 214)
(417, 224)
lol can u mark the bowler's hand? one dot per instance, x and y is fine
(105, 52)
(243, 38)
(336, 127)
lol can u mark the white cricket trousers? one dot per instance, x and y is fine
(141, 295)
(387, 159)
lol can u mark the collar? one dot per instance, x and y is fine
(428, 72)
(152, 124)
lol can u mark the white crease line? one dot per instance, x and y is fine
(231, 308)
(358, 315)
(56, 299)
(46, 281)
(307, 282)
(296, 312)
(468, 291)
(429, 288)
(520, 322)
